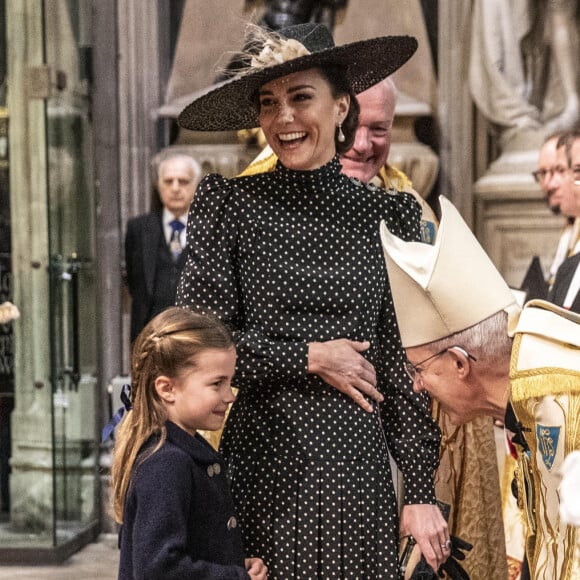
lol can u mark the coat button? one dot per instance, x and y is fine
(232, 523)
(217, 468)
(210, 471)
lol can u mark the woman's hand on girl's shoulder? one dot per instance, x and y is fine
(256, 568)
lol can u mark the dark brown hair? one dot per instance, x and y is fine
(338, 79)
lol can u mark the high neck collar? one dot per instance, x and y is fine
(325, 174)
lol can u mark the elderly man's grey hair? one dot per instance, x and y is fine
(163, 156)
(487, 341)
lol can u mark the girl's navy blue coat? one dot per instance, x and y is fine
(179, 519)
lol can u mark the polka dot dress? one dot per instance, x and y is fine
(287, 258)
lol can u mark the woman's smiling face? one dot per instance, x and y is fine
(299, 116)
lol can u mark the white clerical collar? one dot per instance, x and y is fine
(573, 289)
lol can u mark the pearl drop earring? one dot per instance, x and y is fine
(341, 138)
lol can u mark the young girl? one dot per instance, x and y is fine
(170, 490)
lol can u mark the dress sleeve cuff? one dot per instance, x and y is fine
(290, 360)
(262, 359)
(420, 489)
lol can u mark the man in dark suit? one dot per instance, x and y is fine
(562, 182)
(154, 241)
(566, 289)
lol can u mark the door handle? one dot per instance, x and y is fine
(72, 275)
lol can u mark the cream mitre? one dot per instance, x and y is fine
(446, 287)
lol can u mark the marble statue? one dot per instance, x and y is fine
(524, 71)
(282, 13)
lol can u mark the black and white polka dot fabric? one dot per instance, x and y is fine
(287, 258)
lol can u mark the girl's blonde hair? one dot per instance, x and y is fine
(168, 346)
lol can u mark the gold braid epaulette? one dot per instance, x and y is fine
(540, 381)
(393, 178)
(264, 165)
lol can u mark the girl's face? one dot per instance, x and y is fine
(299, 116)
(199, 398)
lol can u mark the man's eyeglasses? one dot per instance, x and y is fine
(540, 175)
(415, 370)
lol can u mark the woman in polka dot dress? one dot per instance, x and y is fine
(292, 261)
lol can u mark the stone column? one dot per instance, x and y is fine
(127, 85)
(455, 109)
(31, 480)
(139, 96)
(109, 234)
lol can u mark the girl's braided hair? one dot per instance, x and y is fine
(167, 346)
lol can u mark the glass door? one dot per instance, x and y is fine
(72, 287)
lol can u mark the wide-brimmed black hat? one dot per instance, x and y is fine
(231, 105)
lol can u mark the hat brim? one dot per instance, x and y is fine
(231, 105)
